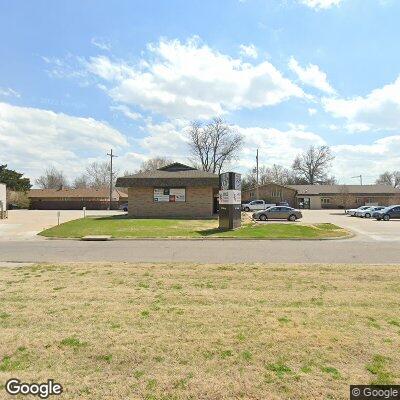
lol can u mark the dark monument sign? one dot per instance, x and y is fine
(230, 195)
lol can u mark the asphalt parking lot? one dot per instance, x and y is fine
(365, 229)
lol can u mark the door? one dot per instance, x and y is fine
(273, 212)
(395, 213)
(257, 205)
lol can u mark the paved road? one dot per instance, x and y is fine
(204, 251)
(375, 242)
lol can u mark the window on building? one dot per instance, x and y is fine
(325, 200)
(276, 193)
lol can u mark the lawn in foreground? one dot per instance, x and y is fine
(123, 227)
(164, 331)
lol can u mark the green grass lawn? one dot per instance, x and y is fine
(124, 227)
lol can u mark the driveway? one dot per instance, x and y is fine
(26, 224)
(369, 230)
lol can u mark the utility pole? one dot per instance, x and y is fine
(360, 177)
(111, 174)
(257, 197)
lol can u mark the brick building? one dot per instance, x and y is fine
(317, 197)
(173, 191)
(75, 199)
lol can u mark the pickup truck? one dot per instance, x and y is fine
(256, 205)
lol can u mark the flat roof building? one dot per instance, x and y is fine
(326, 196)
(173, 191)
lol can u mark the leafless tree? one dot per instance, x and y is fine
(52, 179)
(313, 164)
(213, 145)
(98, 174)
(81, 181)
(389, 178)
(345, 197)
(154, 163)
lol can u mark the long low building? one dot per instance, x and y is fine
(317, 197)
(173, 191)
(75, 199)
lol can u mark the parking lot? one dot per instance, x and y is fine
(365, 229)
(26, 224)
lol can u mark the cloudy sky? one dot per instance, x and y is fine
(80, 77)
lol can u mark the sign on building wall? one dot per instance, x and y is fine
(169, 195)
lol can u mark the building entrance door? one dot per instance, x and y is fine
(304, 202)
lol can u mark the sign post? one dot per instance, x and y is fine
(230, 196)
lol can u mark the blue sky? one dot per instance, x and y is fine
(79, 77)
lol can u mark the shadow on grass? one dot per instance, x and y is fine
(212, 231)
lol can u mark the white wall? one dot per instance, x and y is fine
(3, 195)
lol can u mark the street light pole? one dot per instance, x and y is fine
(111, 174)
(359, 176)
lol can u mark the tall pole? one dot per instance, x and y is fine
(359, 176)
(257, 176)
(111, 174)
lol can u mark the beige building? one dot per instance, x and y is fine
(173, 191)
(317, 197)
(75, 199)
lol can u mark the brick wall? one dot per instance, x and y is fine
(271, 193)
(354, 201)
(198, 204)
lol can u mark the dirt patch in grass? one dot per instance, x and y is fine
(165, 331)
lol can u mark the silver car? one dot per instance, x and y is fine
(367, 213)
(289, 213)
(352, 211)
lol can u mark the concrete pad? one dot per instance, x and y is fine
(96, 238)
(26, 224)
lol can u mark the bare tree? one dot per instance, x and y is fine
(313, 164)
(52, 179)
(81, 181)
(98, 174)
(213, 145)
(345, 197)
(154, 163)
(389, 178)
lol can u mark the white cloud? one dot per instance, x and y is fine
(379, 110)
(31, 139)
(312, 111)
(101, 43)
(248, 51)
(8, 92)
(127, 112)
(383, 154)
(169, 139)
(191, 80)
(321, 4)
(311, 75)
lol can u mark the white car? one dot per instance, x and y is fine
(256, 205)
(368, 212)
(352, 211)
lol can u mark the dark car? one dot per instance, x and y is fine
(392, 212)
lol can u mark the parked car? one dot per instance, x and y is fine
(289, 213)
(256, 205)
(391, 212)
(123, 207)
(352, 211)
(283, 203)
(367, 213)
